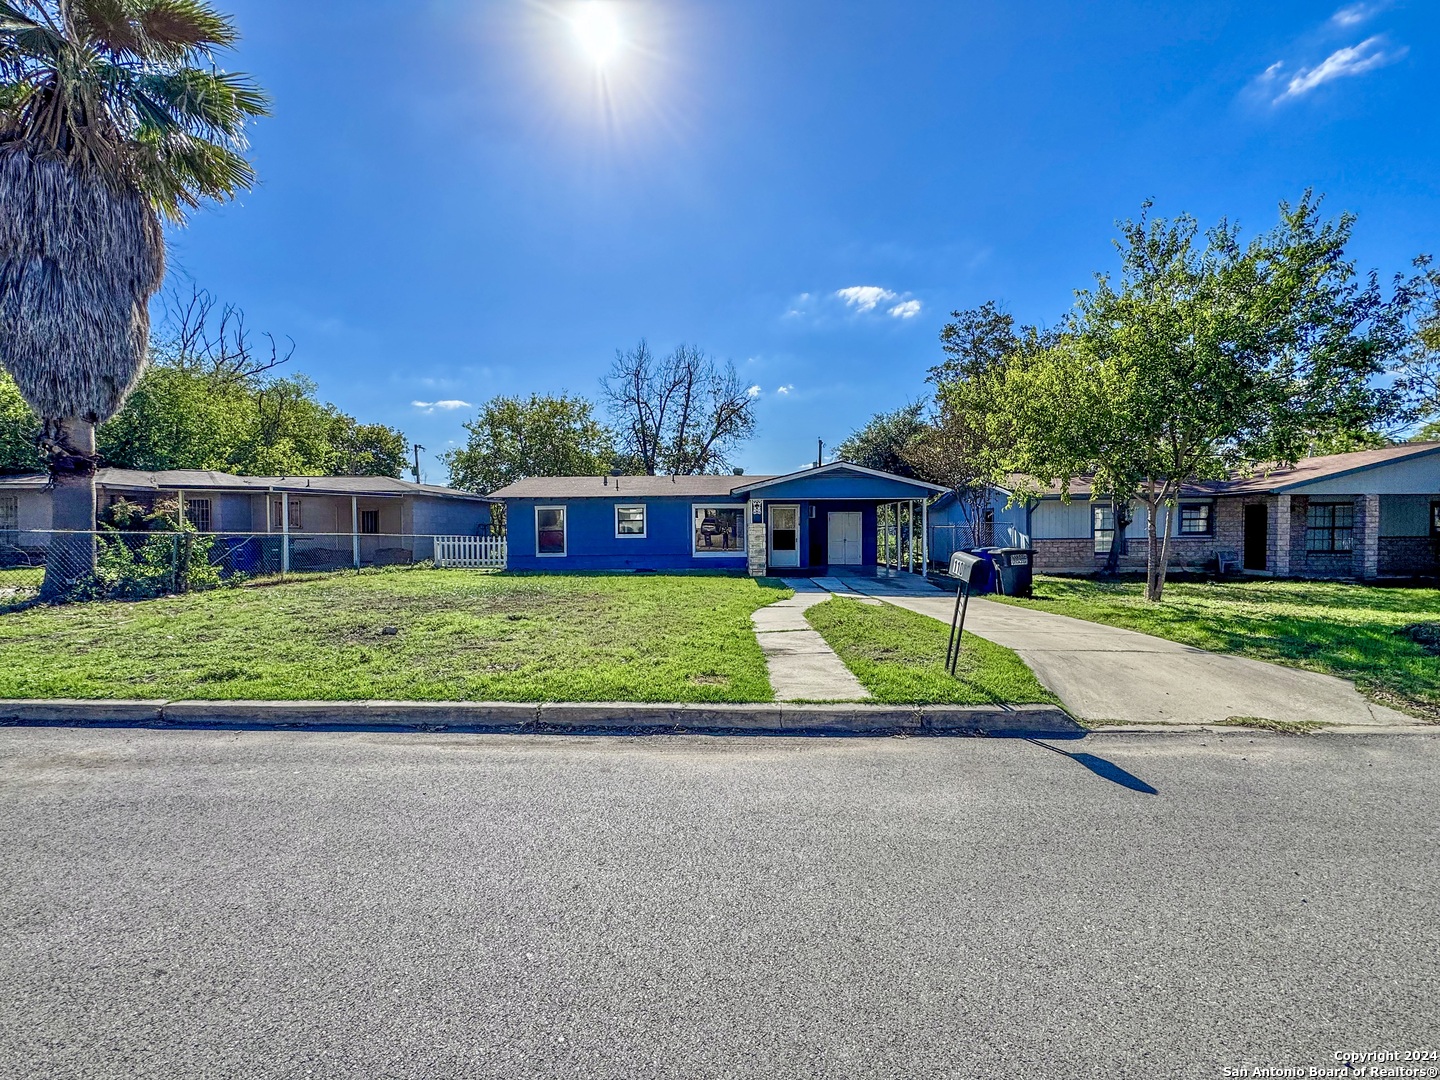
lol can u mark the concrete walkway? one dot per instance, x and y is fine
(802, 666)
(1103, 673)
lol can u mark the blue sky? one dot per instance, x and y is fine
(457, 202)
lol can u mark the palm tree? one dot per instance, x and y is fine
(113, 118)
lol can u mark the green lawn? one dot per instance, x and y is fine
(1355, 631)
(21, 577)
(448, 635)
(899, 656)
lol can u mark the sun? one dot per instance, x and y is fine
(598, 32)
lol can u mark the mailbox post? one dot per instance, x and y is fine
(971, 570)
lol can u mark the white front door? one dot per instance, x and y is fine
(784, 536)
(844, 537)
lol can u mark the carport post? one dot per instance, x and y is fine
(924, 536)
(285, 533)
(355, 530)
(910, 540)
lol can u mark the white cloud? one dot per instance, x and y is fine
(1342, 63)
(1354, 14)
(906, 309)
(784, 390)
(754, 391)
(864, 298)
(447, 404)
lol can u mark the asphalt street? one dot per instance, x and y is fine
(309, 904)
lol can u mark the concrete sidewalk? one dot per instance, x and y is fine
(801, 664)
(1102, 673)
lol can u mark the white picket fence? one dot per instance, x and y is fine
(470, 552)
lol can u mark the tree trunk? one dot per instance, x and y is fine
(1120, 518)
(1152, 553)
(71, 556)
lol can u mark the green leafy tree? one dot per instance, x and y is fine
(512, 438)
(966, 442)
(1209, 357)
(113, 114)
(1419, 367)
(18, 427)
(884, 440)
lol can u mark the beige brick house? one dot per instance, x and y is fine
(1368, 515)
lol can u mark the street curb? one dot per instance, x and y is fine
(577, 718)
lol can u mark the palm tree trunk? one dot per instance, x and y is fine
(71, 556)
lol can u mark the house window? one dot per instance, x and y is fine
(719, 530)
(1330, 527)
(277, 515)
(9, 518)
(1197, 519)
(197, 513)
(550, 530)
(370, 522)
(630, 521)
(1104, 517)
(1435, 520)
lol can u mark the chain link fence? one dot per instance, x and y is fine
(119, 564)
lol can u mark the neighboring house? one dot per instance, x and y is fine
(1003, 523)
(803, 521)
(331, 520)
(1364, 515)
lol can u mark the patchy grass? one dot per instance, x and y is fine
(1281, 727)
(1374, 636)
(899, 657)
(414, 635)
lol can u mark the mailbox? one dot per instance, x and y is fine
(971, 569)
(974, 574)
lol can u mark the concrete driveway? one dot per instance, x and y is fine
(1104, 673)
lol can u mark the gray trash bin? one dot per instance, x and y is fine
(1014, 570)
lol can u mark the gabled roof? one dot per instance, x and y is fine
(1263, 479)
(713, 487)
(837, 467)
(611, 487)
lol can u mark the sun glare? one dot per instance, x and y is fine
(598, 31)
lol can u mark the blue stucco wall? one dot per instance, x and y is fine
(591, 543)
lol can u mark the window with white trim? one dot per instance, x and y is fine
(370, 522)
(718, 529)
(630, 521)
(277, 515)
(550, 538)
(9, 518)
(197, 513)
(1197, 519)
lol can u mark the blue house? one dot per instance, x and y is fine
(802, 522)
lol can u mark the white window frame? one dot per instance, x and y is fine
(564, 532)
(277, 512)
(644, 509)
(360, 521)
(703, 553)
(192, 511)
(10, 517)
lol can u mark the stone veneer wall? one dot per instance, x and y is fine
(1408, 556)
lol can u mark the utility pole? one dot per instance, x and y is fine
(418, 448)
